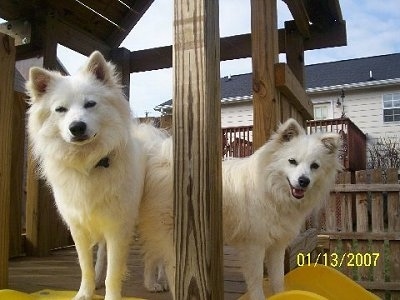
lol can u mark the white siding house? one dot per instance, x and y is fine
(371, 90)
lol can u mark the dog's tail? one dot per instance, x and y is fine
(154, 140)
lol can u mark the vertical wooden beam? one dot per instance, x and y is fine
(197, 151)
(7, 66)
(264, 43)
(295, 51)
(121, 58)
(40, 208)
(17, 173)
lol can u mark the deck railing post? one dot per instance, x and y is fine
(7, 65)
(197, 151)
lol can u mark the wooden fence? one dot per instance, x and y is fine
(361, 226)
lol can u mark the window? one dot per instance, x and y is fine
(321, 111)
(391, 107)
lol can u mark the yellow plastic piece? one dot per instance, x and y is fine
(14, 295)
(327, 282)
(317, 282)
(297, 295)
(46, 295)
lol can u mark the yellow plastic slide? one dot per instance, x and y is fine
(326, 282)
(318, 282)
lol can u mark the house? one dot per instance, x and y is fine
(366, 90)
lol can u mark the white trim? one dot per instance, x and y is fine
(236, 99)
(358, 85)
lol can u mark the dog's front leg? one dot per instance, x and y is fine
(84, 249)
(251, 259)
(275, 256)
(117, 254)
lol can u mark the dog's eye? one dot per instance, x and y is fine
(314, 166)
(293, 162)
(61, 109)
(89, 104)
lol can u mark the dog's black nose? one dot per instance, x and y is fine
(77, 128)
(304, 181)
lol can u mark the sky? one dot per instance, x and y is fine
(373, 28)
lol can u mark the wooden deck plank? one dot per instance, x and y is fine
(60, 271)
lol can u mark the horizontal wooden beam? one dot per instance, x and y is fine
(287, 83)
(376, 236)
(380, 285)
(78, 40)
(372, 187)
(239, 46)
(300, 16)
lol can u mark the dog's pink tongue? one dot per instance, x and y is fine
(298, 193)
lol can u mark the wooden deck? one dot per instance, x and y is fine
(60, 271)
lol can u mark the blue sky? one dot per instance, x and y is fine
(373, 28)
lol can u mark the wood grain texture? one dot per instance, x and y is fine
(197, 151)
(17, 173)
(7, 63)
(264, 43)
(44, 228)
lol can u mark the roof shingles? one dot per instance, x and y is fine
(349, 71)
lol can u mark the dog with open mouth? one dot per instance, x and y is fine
(266, 199)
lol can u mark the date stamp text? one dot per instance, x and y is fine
(335, 260)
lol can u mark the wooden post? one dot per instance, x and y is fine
(121, 58)
(42, 219)
(7, 66)
(264, 43)
(197, 151)
(295, 51)
(17, 173)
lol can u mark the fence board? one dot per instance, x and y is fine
(394, 226)
(330, 213)
(377, 226)
(361, 204)
(345, 204)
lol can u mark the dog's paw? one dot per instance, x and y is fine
(100, 282)
(81, 296)
(157, 288)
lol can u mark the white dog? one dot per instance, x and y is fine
(81, 133)
(266, 198)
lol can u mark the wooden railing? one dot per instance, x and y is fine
(237, 141)
(354, 153)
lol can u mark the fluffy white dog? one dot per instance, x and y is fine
(266, 198)
(82, 135)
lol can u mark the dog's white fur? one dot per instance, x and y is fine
(266, 198)
(98, 203)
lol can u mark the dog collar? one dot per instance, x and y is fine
(104, 162)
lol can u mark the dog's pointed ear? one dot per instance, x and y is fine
(38, 83)
(331, 141)
(288, 130)
(99, 67)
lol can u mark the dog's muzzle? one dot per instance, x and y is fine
(300, 189)
(78, 130)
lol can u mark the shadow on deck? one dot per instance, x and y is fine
(60, 271)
